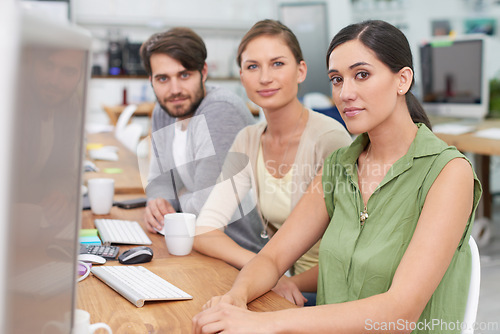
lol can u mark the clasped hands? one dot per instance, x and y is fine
(229, 313)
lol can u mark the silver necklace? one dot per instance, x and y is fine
(363, 215)
(264, 234)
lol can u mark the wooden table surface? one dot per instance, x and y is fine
(129, 179)
(483, 148)
(469, 142)
(200, 276)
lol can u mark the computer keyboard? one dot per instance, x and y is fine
(138, 284)
(121, 232)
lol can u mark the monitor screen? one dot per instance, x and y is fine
(453, 77)
(41, 173)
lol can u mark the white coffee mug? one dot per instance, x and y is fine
(179, 232)
(101, 192)
(81, 324)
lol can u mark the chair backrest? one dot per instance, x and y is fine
(317, 100)
(474, 287)
(128, 134)
(125, 116)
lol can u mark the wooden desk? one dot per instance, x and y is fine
(126, 182)
(114, 112)
(483, 148)
(468, 142)
(200, 276)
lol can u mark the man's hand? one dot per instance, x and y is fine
(287, 289)
(155, 210)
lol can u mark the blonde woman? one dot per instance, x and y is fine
(282, 155)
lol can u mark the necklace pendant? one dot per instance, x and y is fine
(264, 234)
(363, 216)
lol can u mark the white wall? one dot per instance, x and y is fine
(223, 22)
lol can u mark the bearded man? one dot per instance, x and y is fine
(193, 125)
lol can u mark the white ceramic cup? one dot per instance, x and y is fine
(101, 192)
(179, 232)
(81, 324)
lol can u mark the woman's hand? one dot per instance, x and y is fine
(287, 289)
(225, 317)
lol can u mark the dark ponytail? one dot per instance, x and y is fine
(391, 47)
(417, 112)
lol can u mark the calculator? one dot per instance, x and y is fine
(107, 252)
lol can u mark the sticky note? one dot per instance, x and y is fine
(90, 240)
(113, 170)
(88, 232)
(94, 146)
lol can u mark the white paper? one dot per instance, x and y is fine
(452, 128)
(492, 133)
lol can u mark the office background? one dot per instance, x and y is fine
(222, 23)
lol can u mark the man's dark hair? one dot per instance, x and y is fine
(182, 44)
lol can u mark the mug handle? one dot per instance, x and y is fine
(96, 326)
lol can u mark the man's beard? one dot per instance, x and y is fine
(197, 98)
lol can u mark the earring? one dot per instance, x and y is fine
(400, 91)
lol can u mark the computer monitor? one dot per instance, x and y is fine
(453, 76)
(43, 89)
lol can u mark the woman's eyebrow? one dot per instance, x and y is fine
(278, 57)
(272, 59)
(360, 63)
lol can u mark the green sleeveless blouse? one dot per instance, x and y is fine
(357, 261)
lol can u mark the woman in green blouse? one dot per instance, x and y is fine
(395, 210)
